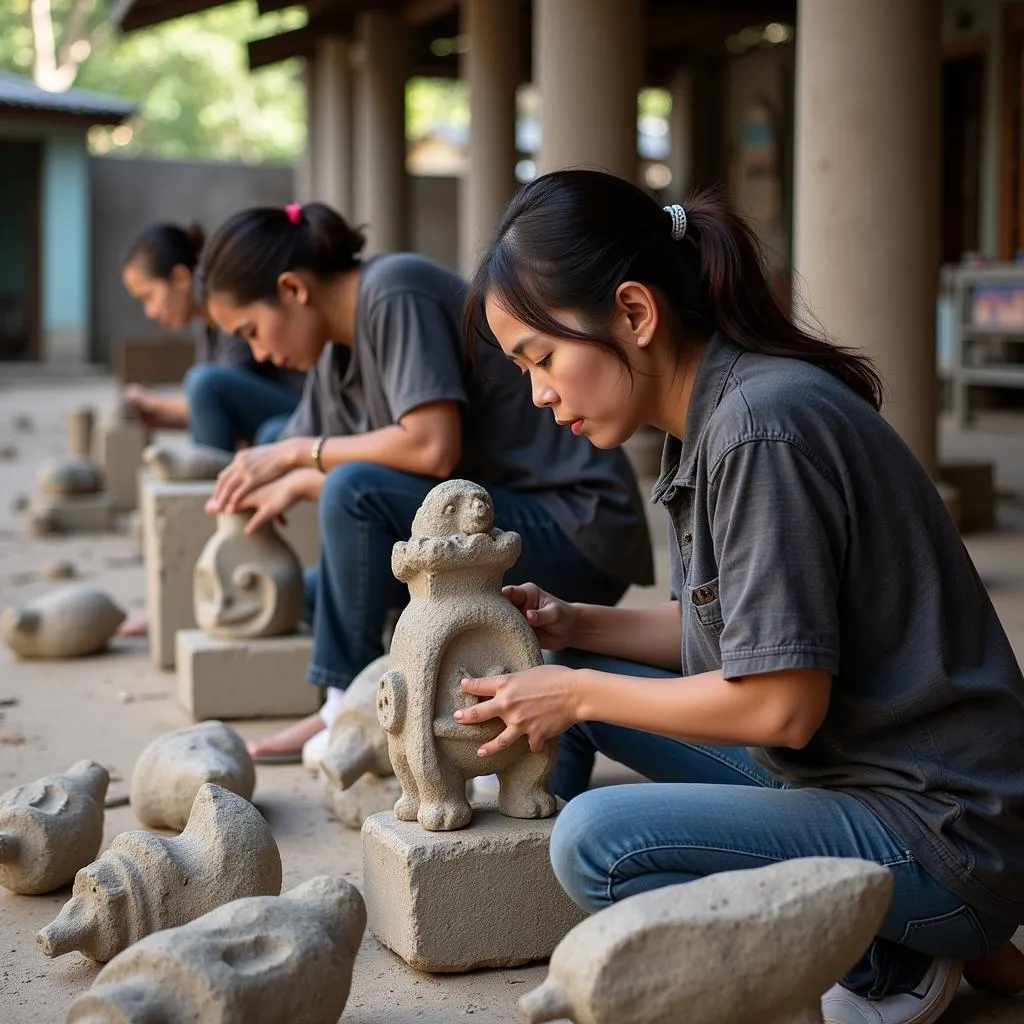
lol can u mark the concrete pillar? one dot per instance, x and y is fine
(588, 63)
(681, 132)
(866, 218)
(332, 124)
(302, 187)
(490, 67)
(380, 66)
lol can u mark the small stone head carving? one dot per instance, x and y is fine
(455, 506)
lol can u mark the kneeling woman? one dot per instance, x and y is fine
(227, 397)
(826, 613)
(391, 405)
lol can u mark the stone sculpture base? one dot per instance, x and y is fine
(85, 513)
(175, 530)
(262, 678)
(118, 449)
(371, 794)
(455, 901)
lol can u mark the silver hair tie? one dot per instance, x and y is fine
(678, 215)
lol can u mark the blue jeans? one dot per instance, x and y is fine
(227, 404)
(364, 510)
(617, 841)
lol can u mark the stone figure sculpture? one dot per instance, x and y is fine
(145, 882)
(175, 766)
(261, 960)
(66, 623)
(457, 625)
(80, 423)
(792, 928)
(69, 476)
(191, 462)
(51, 827)
(247, 585)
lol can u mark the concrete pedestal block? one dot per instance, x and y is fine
(175, 530)
(447, 902)
(261, 678)
(83, 513)
(118, 449)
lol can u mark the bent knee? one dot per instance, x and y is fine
(203, 380)
(575, 856)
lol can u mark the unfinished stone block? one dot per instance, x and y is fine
(80, 423)
(773, 938)
(370, 794)
(247, 585)
(176, 528)
(457, 625)
(185, 462)
(60, 569)
(119, 443)
(51, 828)
(85, 513)
(357, 743)
(66, 623)
(69, 476)
(261, 678)
(145, 882)
(260, 960)
(518, 912)
(175, 766)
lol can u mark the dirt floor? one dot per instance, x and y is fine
(109, 707)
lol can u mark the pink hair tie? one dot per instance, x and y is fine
(294, 211)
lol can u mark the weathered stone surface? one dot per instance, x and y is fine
(80, 423)
(83, 513)
(119, 443)
(69, 475)
(357, 743)
(145, 882)
(60, 569)
(176, 527)
(51, 827)
(455, 901)
(247, 585)
(261, 960)
(731, 947)
(65, 623)
(244, 678)
(175, 766)
(185, 462)
(457, 625)
(370, 794)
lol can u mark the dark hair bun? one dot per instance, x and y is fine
(335, 241)
(194, 232)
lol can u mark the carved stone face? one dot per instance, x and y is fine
(455, 506)
(226, 597)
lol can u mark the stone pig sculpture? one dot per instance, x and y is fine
(145, 882)
(51, 827)
(66, 623)
(173, 768)
(261, 960)
(457, 625)
(247, 585)
(761, 945)
(194, 462)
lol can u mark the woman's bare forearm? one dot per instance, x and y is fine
(651, 636)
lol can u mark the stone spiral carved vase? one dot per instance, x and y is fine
(247, 585)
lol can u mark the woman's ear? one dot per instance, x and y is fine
(181, 278)
(636, 311)
(293, 286)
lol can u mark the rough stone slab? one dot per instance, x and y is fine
(260, 678)
(484, 896)
(175, 530)
(85, 513)
(118, 449)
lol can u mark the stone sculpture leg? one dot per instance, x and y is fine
(445, 806)
(408, 806)
(524, 792)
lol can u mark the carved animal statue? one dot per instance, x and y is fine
(192, 462)
(762, 944)
(247, 585)
(66, 623)
(51, 827)
(173, 768)
(145, 882)
(69, 476)
(457, 625)
(261, 960)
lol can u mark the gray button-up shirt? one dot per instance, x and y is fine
(806, 535)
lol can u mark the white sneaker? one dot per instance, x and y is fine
(486, 787)
(314, 748)
(926, 1004)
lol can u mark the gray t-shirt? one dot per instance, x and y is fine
(214, 346)
(408, 351)
(806, 535)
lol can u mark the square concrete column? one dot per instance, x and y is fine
(588, 65)
(491, 69)
(380, 68)
(302, 177)
(866, 219)
(681, 131)
(332, 123)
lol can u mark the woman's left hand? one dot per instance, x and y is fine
(539, 703)
(250, 469)
(271, 501)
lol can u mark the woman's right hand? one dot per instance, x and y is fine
(554, 621)
(145, 404)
